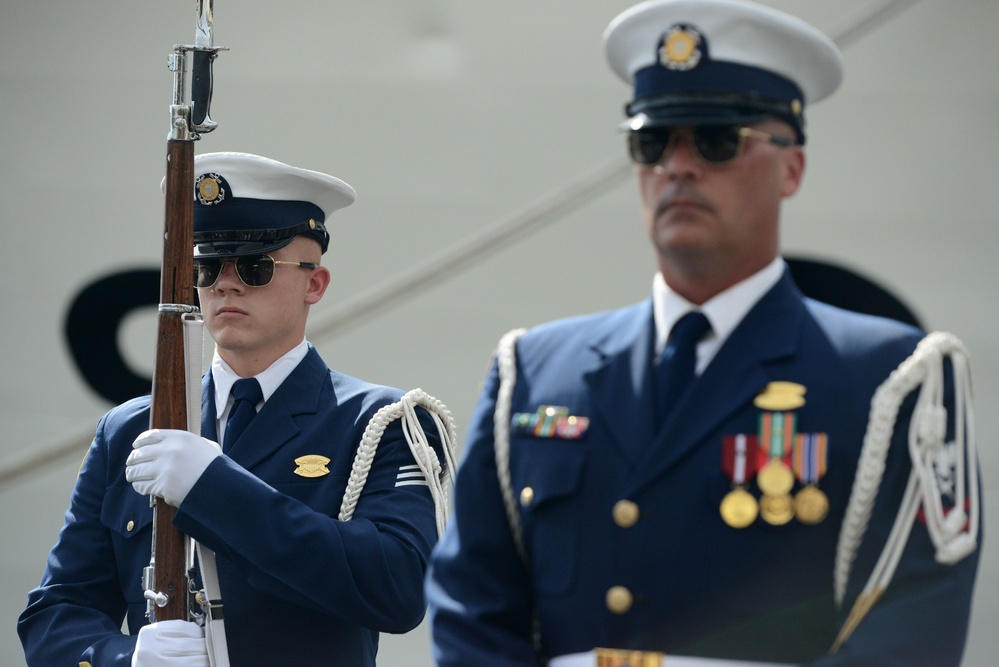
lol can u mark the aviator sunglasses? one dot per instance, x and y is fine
(253, 270)
(711, 144)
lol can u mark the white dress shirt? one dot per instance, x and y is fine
(270, 379)
(724, 310)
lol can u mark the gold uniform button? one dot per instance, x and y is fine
(130, 525)
(625, 513)
(619, 599)
(526, 496)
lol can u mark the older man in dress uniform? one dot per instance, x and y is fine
(673, 483)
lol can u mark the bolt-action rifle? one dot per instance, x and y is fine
(167, 579)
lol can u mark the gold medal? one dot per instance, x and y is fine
(739, 508)
(775, 478)
(811, 505)
(776, 510)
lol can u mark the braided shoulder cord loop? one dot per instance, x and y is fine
(938, 468)
(437, 478)
(506, 361)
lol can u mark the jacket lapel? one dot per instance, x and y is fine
(620, 386)
(276, 422)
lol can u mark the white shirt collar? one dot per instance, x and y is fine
(724, 310)
(270, 378)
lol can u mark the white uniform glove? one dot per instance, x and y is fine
(167, 463)
(171, 644)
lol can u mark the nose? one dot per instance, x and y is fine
(228, 279)
(680, 162)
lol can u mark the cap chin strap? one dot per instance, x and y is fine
(232, 242)
(939, 469)
(706, 108)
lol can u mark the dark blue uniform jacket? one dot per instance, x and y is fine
(299, 586)
(698, 586)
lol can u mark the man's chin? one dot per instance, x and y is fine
(682, 241)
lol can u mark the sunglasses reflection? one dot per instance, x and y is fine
(252, 270)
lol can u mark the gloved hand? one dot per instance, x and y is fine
(171, 644)
(167, 463)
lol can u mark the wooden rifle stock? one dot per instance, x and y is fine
(169, 398)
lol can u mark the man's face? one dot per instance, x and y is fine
(256, 325)
(716, 219)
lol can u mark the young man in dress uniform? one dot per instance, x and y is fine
(298, 585)
(672, 483)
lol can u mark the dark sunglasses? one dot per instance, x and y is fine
(712, 144)
(253, 270)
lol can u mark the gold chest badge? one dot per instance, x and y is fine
(312, 465)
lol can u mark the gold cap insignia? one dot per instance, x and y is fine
(780, 396)
(209, 188)
(312, 465)
(680, 48)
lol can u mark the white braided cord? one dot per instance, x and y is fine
(506, 362)
(953, 532)
(437, 478)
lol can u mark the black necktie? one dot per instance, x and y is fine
(678, 362)
(246, 394)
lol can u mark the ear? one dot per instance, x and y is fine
(793, 170)
(319, 280)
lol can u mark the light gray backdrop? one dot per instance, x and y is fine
(450, 117)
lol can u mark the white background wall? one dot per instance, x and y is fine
(449, 116)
